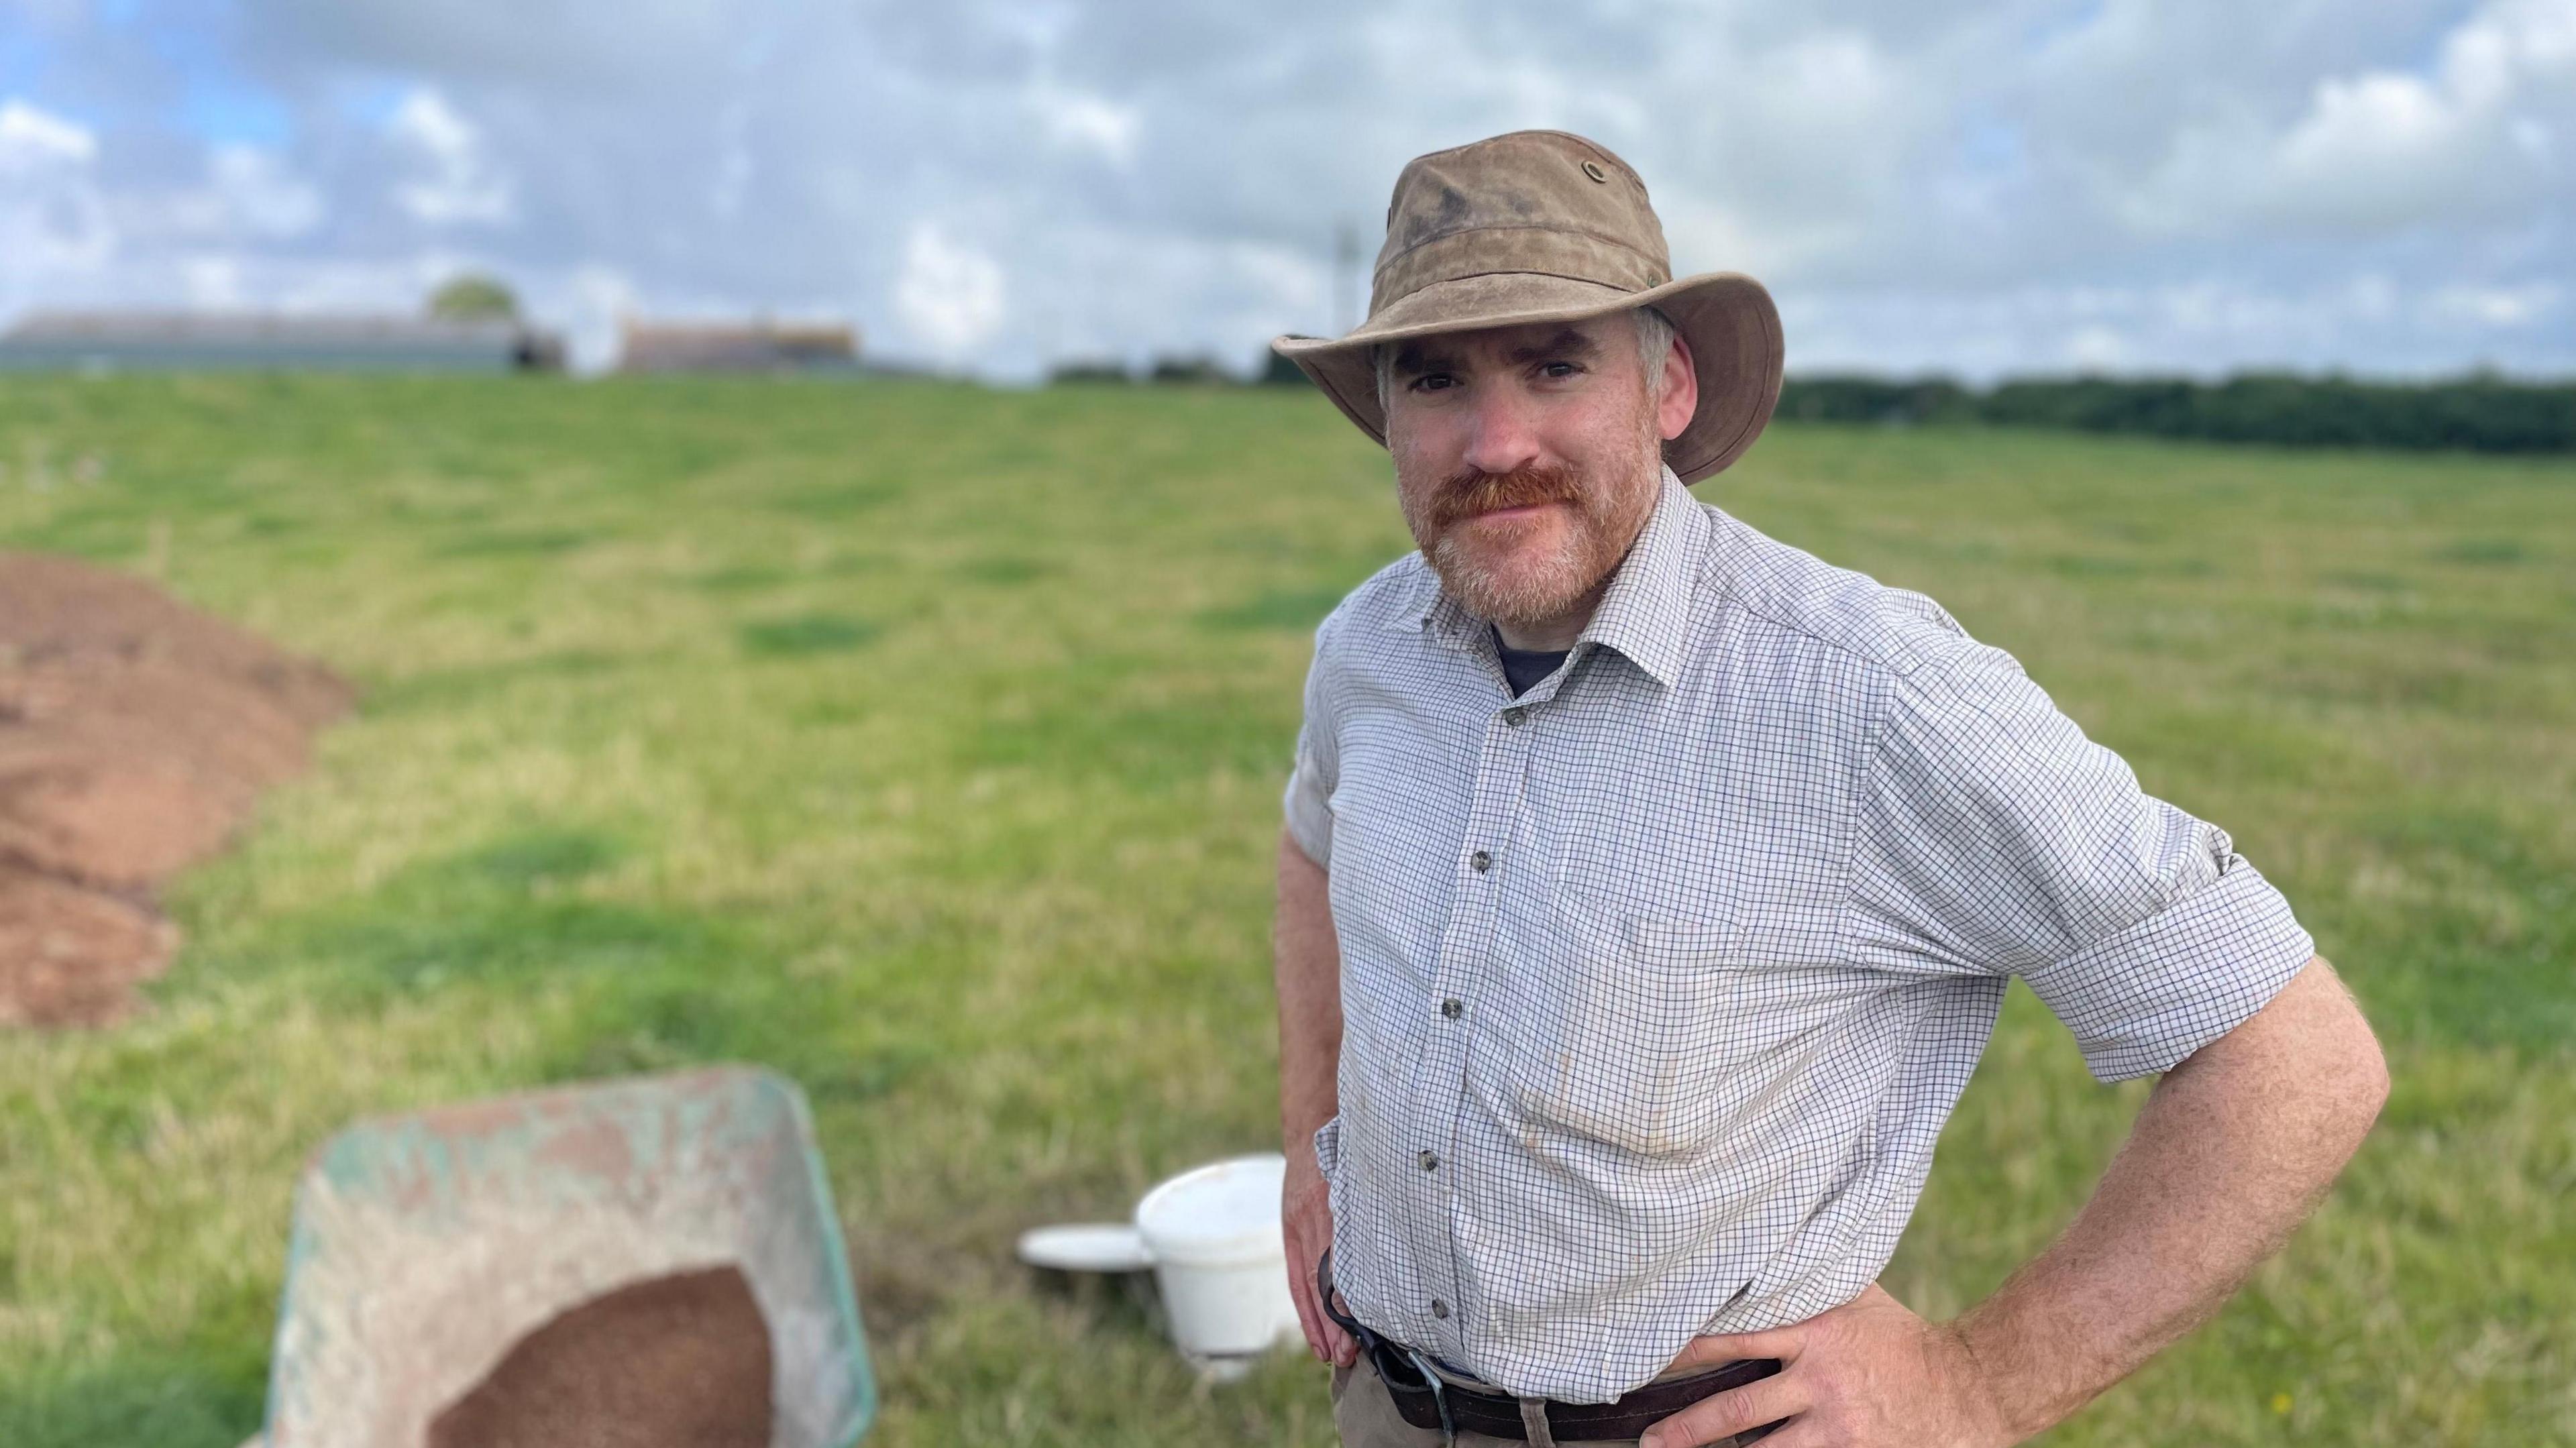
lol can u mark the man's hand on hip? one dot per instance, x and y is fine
(1866, 1373)
(1306, 1218)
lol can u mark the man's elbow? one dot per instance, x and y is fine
(2370, 1092)
(2331, 1051)
(2309, 1051)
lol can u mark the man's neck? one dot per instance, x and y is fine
(1557, 634)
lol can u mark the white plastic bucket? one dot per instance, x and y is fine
(1220, 1257)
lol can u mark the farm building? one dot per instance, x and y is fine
(735, 347)
(190, 341)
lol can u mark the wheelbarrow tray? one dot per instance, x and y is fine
(426, 1244)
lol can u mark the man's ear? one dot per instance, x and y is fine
(1680, 398)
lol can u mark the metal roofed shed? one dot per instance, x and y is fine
(759, 346)
(273, 341)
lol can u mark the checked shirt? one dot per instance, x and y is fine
(1659, 980)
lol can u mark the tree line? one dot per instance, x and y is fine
(2479, 412)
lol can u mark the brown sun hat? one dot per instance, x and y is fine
(1543, 226)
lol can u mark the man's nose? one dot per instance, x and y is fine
(1500, 434)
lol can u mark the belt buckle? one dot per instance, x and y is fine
(1439, 1398)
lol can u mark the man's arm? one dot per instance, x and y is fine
(1308, 968)
(2234, 1148)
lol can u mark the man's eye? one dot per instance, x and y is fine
(1434, 382)
(1559, 369)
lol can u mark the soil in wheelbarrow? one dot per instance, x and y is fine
(136, 734)
(670, 1362)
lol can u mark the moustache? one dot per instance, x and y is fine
(1470, 493)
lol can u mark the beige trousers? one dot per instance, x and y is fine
(1366, 1417)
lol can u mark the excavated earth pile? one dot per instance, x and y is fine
(136, 734)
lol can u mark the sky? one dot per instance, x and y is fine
(2037, 186)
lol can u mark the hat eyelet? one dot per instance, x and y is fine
(1593, 170)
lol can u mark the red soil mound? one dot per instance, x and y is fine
(135, 736)
(672, 1362)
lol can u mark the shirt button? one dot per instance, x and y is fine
(1516, 716)
(1482, 860)
(1439, 1308)
(1430, 1161)
(1453, 1008)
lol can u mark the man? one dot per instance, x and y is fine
(1650, 887)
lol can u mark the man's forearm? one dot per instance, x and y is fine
(1308, 965)
(2231, 1152)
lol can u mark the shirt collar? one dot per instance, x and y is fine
(1644, 613)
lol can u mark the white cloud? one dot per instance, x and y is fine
(63, 224)
(2495, 307)
(213, 281)
(2367, 131)
(1005, 183)
(734, 175)
(262, 194)
(2385, 148)
(248, 195)
(32, 140)
(2096, 348)
(1076, 121)
(462, 185)
(950, 295)
(55, 223)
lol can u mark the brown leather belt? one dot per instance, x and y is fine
(1426, 1400)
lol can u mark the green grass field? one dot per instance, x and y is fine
(925, 743)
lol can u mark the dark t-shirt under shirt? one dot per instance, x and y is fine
(1524, 667)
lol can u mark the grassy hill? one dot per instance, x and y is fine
(925, 742)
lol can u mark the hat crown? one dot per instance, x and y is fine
(1545, 202)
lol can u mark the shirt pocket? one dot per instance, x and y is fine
(1648, 1024)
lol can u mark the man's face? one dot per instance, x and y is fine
(1527, 458)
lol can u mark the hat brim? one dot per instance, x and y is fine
(1727, 319)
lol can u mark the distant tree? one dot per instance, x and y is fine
(1088, 370)
(1278, 371)
(1189, 370)
(473, 297)
(1854, 398)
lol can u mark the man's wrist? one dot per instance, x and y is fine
(1297, 1143)
(1999, 1382)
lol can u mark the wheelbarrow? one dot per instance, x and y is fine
(426, 1244)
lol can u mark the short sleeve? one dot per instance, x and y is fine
(1992, 836)
(1308, 799)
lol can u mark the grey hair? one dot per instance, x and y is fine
(1654, 339)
